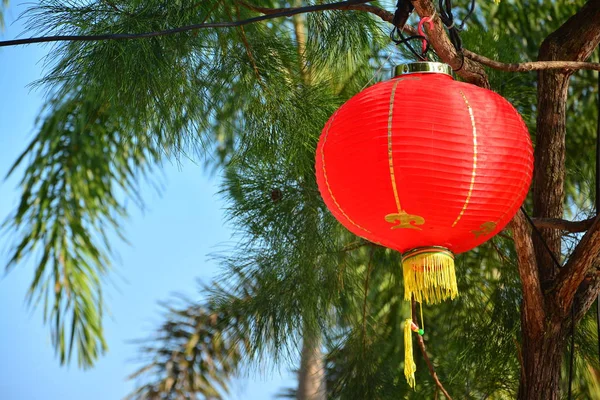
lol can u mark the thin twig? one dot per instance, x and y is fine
(119, 10)
(502, 256)
(271, 13)
(357, 245)
(385, 15)
(531, 65)
(519, 355)
(389, 17)
(421, 343)
(504, 235)
(129, 36)
(563, 224)
(247, 46)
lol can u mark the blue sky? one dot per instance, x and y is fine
(170, 244)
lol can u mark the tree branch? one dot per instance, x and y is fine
(511, 67)
(466, 68)
(573, 41)
(585, 257)
(421, 343)
(385, 15)
(563, 224)
(248, 49)
(586, 294)
(533, 300)
(531, 65)
(128, 36)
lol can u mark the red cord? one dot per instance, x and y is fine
(429, 20)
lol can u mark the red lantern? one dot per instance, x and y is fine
(427, 166)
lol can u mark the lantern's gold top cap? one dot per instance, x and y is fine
(423, 67)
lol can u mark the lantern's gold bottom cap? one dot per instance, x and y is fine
(429, 275)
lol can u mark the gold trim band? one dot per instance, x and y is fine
(430, 249)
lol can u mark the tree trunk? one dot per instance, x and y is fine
(546, 314)
(311, 377)
(542, 360)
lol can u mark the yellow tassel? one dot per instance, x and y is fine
(429, 275)
(409, 363)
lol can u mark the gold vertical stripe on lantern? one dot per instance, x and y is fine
(474, 159)
(429, 275)
(390, 153)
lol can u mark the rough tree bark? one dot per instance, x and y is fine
(542, 351)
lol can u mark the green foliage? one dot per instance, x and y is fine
(79, 167)
(3, 6)
(524, 25)
(278, 279)
(192, 354)
(120, 107)
(285, 273)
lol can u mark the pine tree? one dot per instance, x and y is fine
(257, 97)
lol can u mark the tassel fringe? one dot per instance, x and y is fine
(409, 363)
(429, 275)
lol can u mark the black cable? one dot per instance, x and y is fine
(462, 62)
(445, 7)
(403, 10)
(406, 41)
(126, 36)
(468, 16)
(539, 235)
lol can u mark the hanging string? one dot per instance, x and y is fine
(383, 64)
(539, 235)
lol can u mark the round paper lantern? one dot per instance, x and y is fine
(427, 166)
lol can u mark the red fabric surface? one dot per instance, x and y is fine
(437, 178)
